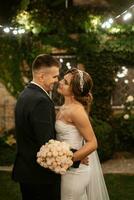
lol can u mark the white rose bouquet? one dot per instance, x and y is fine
(56, 156)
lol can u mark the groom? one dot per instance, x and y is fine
(35, 125)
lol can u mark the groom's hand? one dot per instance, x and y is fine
(75, 163)
(85, 161)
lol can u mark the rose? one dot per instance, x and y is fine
(130, 98)
(56, 156)
(126, 116)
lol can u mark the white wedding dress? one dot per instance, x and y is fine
(85, 182)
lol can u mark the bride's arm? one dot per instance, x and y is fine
(82, 123)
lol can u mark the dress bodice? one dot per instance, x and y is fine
(68, 133)
(88, 180)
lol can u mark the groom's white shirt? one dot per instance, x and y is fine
(40, 87)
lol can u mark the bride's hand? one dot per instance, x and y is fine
(85, 161)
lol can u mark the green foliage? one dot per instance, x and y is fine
(121, 41)
(7, 152)
(17, 55)
(124, 184)
(9, 66)
(123, 126)
(120, 186)
(9, 190)
(77, 31)
(128, 107)
(105, 138)
(24, 4)
(124, 132)
(100, 66)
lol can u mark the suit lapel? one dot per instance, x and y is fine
(36, 87)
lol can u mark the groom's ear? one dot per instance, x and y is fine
(42, 76)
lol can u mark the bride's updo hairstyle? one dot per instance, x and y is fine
(81, 85)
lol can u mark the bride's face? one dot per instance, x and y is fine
(64, 87)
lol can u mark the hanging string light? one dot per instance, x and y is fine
(126, 15)
(12, 30)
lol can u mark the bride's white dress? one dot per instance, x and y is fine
(85, 182)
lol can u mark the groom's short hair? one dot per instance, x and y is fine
(44, 61)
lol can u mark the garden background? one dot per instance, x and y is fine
(79, 36)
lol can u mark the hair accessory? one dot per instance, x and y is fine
(81, 79)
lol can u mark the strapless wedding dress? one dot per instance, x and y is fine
(85, 182)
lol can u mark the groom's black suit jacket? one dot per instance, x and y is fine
(35, 125)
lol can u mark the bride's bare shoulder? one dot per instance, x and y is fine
(77, 107)
(78, 110)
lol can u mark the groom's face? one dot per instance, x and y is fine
(50, 76)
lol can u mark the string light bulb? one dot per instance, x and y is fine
(126, 15)
(61, 60)
(6, 30)
(126, 81)
(13, 30)
(21, 31)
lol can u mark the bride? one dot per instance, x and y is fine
(85, 182)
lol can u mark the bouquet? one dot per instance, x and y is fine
(56, 156)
